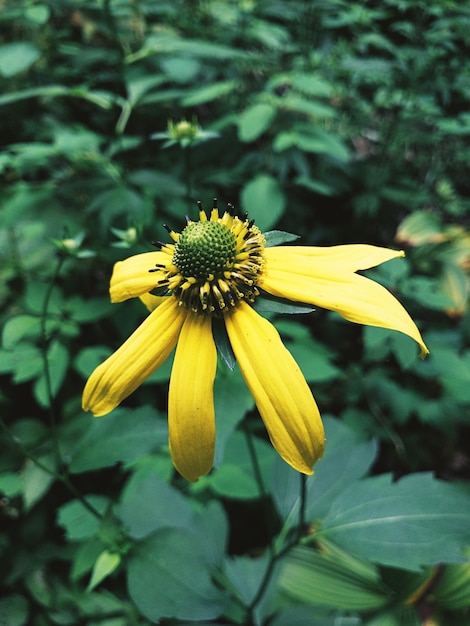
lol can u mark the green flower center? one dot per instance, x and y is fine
(205, 250)
(213, 264)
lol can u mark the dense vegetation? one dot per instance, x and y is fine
(338, 121)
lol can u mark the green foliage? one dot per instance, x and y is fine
(339, 121)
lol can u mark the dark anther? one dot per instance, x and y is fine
(167, 228)
(245, 216)
(157, 244)
(214, 203)
(199, 204)
(230, 208)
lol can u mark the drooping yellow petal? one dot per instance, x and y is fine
(191, 420)
(151, 301)
(131, 277)
(335, 287)
(281, 393)
(350, 257)
(145, 350)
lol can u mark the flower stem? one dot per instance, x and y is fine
(60, 476)
(188, 172)
(275, 556)
(44, 344)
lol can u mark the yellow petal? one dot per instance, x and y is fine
(145, 350)
(350, 257)
(191, 419)
(151, 302)
(131, 277)
(356, 298)
(281, 393)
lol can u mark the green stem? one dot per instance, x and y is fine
(188, 172)
(62, 477)
(254, 461)
(296, 537)
(47, 374)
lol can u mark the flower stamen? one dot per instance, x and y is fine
(215, 262)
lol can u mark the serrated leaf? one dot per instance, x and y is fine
(78, 521)
(177, 560)
(347, 458)
(235, 477)
(141, 509)
(408, 524)
(121, 437)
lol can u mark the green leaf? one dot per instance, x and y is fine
(36, 480)
(10, 485)
(278, 237)
(312, 84)
(264, 200)
(271, 304)
(123, 436)
(396, 616)
(208, 93)
(177, 559)
(16, 57)
(313, 357)
(222, 342)
(347, 458)
(411, 523)
(19, 327)
(333, 580)
(38, 14)
(317, 186)
(304, 615)
(14, 610)
(255, 120)
(105, 564)
(89, 358)
(148, 504)
(235, 478)
(421, 227)
(57, 362)
(89, 310)
(85, 557)
(101, 98)
(321, 142)
(232, 401)
(245, 575)
(78, 521)
(25, 362)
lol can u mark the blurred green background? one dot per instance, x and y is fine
(339, 121)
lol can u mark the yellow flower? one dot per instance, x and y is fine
(216, 268)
